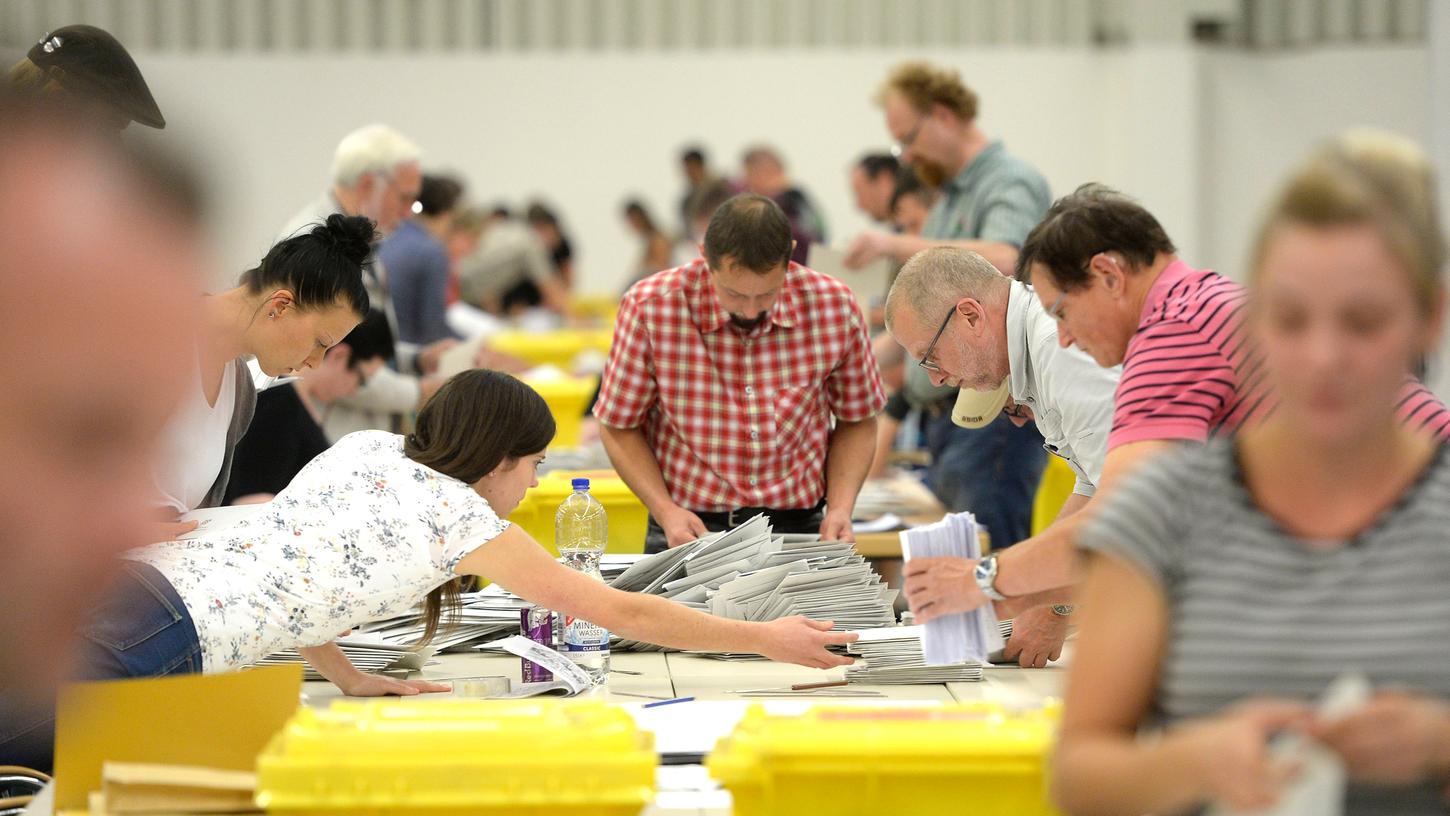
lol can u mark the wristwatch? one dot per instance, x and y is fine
(986, 575)
(1062, 610)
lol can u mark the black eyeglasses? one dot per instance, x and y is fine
(908, 140)
(926, 362)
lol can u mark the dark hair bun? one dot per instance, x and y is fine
(352, 235)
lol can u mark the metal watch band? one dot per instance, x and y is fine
(986, 575)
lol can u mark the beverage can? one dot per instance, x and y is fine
(537, 625)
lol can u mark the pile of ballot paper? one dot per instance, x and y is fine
(894, 656)
(752, 574)
(367, 651)
(483, 615)
(963, 637)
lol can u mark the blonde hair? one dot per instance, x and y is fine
(1374, 178)
(923, 85)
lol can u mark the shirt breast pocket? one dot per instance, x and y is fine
(795, 420)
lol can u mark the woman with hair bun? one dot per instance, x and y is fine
(304, 297)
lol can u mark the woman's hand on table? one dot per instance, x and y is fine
(376, 685)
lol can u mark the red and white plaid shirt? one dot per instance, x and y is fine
(739, 420)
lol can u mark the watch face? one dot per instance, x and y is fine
(985, 569)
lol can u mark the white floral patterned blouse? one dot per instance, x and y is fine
(362, 532)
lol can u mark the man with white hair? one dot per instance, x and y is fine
(376, 174)
(975, 329)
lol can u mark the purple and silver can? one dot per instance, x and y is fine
(537, 625)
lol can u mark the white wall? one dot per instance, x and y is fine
(1263, 114)
(1201, 137)
(588, 131)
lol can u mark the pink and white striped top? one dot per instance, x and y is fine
(1190, 372)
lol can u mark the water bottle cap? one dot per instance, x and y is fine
(581, 484)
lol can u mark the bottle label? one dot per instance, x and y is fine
(582, 636)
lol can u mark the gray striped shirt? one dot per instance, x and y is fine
(1256, 611)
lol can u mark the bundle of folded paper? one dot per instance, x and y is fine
(752, 574)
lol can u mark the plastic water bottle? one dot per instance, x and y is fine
(581, 530)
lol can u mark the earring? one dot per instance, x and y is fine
(272, 316)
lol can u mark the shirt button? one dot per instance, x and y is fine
(749, 390)
(752, 481)
(754, 435)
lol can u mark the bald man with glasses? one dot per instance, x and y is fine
(999, 346)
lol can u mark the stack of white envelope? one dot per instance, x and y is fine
(894, 656)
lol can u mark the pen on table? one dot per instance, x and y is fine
(635, 694)
(796, 687)
(669, 702)
(623, 671)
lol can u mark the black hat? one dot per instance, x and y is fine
(89, 60)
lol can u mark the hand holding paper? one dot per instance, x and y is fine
(960, 625)
(1291, 774)
(939, 586)
(1240, 772)
(803, 641)
(1396, 738)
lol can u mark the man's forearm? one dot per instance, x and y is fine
(1003, 256)
(848, 459)
(1045, 562)
(635, 460)
(1013, 607)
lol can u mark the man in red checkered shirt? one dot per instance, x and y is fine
(739, 384)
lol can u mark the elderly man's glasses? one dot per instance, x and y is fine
(926, 362)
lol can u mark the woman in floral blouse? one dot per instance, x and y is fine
(380, 521)
(367, 530)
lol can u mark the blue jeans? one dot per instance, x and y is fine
(141, 629)
(992, 472)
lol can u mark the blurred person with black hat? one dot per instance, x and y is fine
(92, 67)
(92, 372)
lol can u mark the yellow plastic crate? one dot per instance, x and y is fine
(603, 308)
(978, 758)
(527, 758)
(628, 517)
(558, 347)
(1056, 486)
(567, 398)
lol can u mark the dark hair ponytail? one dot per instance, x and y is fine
(477, 421)
(320, 266)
